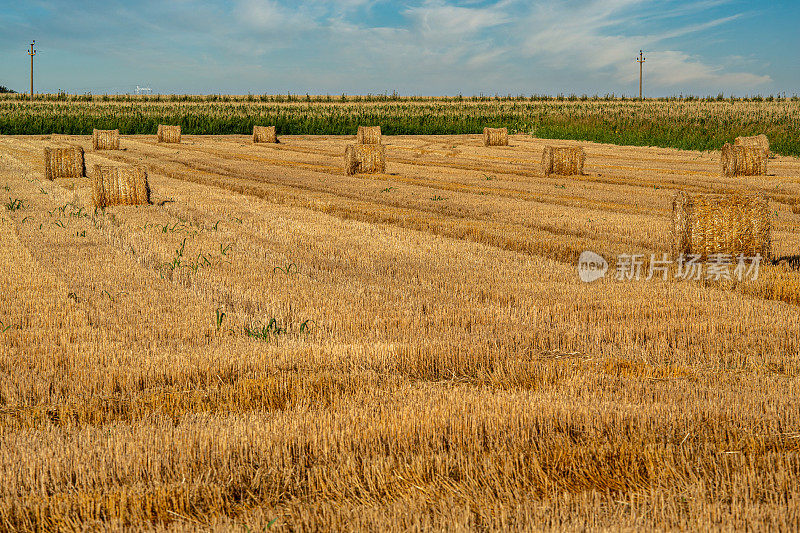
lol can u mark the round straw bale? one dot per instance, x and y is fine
(368, 135)
(759, 141)
(365, 159)
(64, 162)
(169, 134)
(124, 185)
(105, 139)
(495, 136)
(735, 223)
(563, 160)
(264, 134)
(743, 160)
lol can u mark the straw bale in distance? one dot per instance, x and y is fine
(369, 135)
(169, 134)
(264, 134)
(495, 136)
(64, 162)
(736, 224)
(365, 159)
(743, 161)
(105, 139)
(760, 141)
(124, 185)
(563, 160)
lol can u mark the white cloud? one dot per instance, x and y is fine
(438, 18)
(677, 69)
(588, 37)
(270, 15)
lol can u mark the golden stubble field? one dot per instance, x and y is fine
(275, 344)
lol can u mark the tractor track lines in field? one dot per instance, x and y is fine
(508, 236)
(519, 194)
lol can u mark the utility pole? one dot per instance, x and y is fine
(641, 61)
(32, 53)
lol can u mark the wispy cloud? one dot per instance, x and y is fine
(591, 36)
(437, 19)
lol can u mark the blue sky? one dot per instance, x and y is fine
(427, 47)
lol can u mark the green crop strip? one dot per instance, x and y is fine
(691, 124)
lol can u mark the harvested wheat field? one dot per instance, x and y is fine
(275, 343)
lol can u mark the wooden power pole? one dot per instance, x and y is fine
(641, 61)
(32, 53)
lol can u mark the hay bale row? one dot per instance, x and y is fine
(743, 161)
(264, 134)
(64, 162)
(105, 139)
(706, 224)
(564, 161)
(368, 135)
(495, 136)
(365, 159)
(169, 134)
(124, 185)
(759, 141)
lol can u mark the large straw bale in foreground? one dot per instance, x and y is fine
(495, 136)
(759, 141)
(169, 134)
(736, 224)
(125, 185)
(365, 159)
(264, 134)
(105, 139)
(64, 162)
(564, 161)
(368, 135)
(743, 161)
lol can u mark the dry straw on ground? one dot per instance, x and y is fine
(105, 139)
(59, 138)
(564, 161)
(495, 136)
(126, 185)
(365, 159)
(743, 161)
(264, 134)
(423, 378)
(169, 134)
(736, 223)
(64, 162)
(369, 135)
(759, 141)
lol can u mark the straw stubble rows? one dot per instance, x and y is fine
(433, 359)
